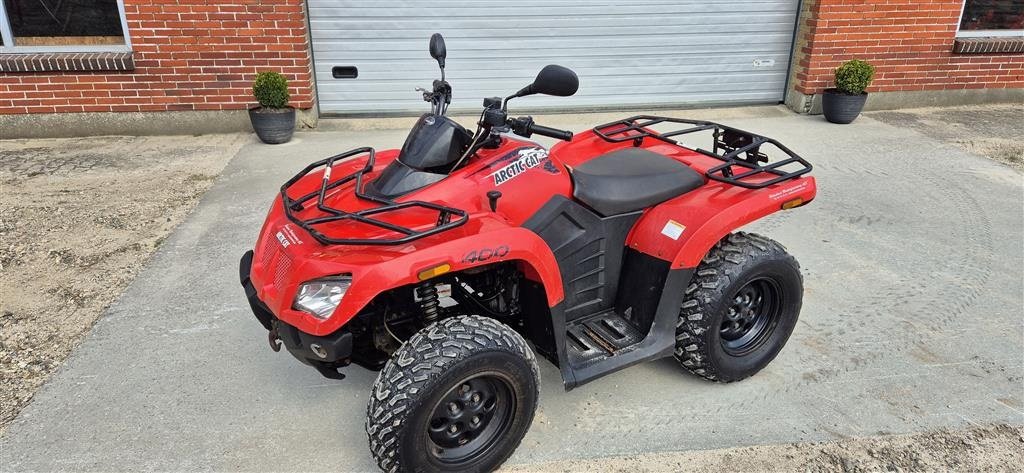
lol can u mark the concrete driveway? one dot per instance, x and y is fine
(912, 320)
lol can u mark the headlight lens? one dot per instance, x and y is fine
(321, 297)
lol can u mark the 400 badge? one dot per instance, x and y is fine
(485, 254)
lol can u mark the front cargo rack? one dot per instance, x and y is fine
(444, 213)
(734, 146)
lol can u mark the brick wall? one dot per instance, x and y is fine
(188, 55)
(910, 42)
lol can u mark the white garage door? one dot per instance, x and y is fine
(639, 53)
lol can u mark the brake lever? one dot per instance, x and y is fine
(428, 96)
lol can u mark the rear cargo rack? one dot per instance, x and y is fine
(444, 214)
(734, 146)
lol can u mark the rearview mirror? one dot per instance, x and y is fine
(552, 80)
(437, 49)
(556, 80)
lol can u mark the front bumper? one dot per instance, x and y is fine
(327, 352)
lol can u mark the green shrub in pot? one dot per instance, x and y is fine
(273, 119)
(844, 103)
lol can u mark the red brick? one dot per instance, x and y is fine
(909, 41)
(189, 55)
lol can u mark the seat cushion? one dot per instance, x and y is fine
(631, 179)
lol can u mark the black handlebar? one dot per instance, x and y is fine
(524, 126)
(551, 132)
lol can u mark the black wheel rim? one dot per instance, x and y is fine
(751, 316)
(471, 418)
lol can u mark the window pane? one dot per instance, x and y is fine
(993, 15)
(64, 22)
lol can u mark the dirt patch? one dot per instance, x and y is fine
(78, 218)
(995, 448)
(993, 131)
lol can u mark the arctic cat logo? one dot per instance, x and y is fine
(287, 237)
(528, 158)
(282, 239)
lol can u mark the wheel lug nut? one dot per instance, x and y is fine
(475, 420)
(476, 397)
(453, 428)
(452, 407)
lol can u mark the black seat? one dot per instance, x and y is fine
(631, 179)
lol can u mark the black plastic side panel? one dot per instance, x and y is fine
(590, 252)
(643, 278)
(537, 326)
(588, 249)
(659, 342)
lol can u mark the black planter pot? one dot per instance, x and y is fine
(273, 125)
(842, 108)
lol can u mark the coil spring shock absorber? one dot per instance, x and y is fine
(429, 302)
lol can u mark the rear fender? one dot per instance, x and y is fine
(683, 229)
(495, 243)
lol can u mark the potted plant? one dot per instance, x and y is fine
(273, 119)
(843, 103)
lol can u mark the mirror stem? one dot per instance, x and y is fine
(528, 90)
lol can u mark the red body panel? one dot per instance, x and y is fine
(279, 269)
(706, 214)
(285, 256)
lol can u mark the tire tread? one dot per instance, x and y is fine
(422, 360)
(723, 264)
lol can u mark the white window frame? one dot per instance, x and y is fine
(982, 33)
(10, 46)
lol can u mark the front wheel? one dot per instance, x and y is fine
(459, 395)
(740, 309)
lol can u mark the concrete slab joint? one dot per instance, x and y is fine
(61, 125)
(811, 104)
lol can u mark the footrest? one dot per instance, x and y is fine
(600, 336)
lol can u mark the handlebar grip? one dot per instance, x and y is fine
(551, 132)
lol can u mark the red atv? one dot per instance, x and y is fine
(447, 264)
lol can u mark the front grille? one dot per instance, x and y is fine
(284, 265)
(275, 265)
(268, 250)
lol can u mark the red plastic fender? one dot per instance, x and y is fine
(484, 240)
(683, 229)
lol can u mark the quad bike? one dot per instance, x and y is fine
(447, 264)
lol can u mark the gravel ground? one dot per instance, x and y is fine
(994, 131)
(78, 219)
(994, 448)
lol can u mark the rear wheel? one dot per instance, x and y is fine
(740, 309)
(458, 395)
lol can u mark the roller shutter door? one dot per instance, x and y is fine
(641, 53)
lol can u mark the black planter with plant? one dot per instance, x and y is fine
(273, 119)
(844, 103)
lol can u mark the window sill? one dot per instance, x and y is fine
(66, 62)
(988, 45)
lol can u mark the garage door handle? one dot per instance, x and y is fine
(345, 72)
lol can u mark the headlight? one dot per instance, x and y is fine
(321, 297)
